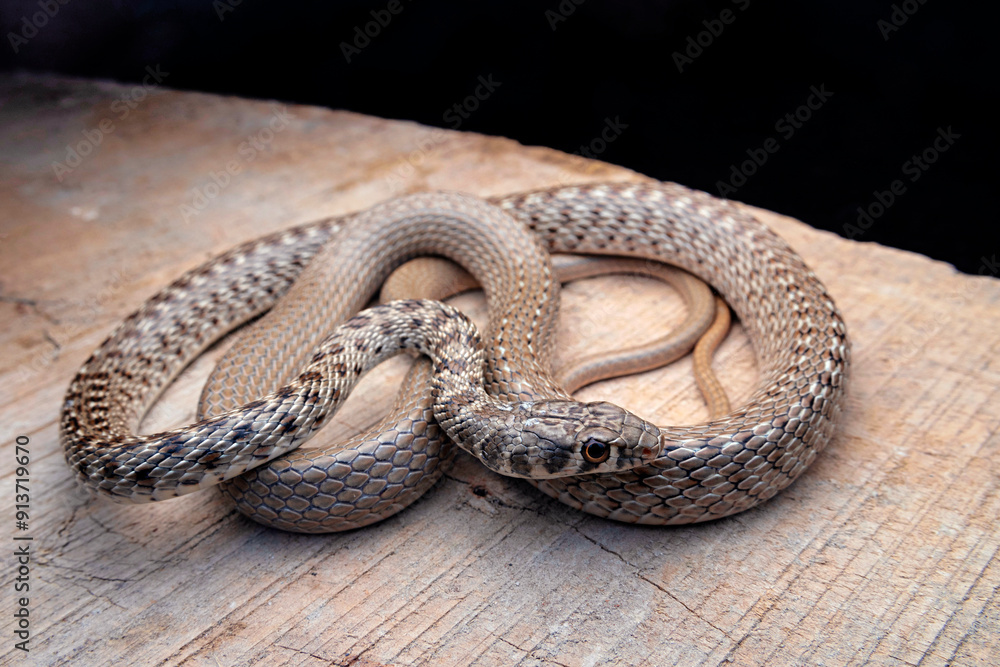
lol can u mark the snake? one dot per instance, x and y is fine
(703, 330)
(494, 398)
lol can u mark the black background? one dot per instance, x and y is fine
(564, 68)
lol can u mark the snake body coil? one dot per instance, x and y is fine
(690, 474)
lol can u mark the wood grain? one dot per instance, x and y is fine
(884, 552)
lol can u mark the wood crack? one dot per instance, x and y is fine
(638, 573)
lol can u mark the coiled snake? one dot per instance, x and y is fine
(596, 457)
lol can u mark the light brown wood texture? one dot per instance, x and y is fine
(884, 552)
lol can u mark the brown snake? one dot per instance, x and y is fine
(704, 328)
(595, 457)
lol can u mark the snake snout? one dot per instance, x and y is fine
(561, 438)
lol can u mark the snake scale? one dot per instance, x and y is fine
(702, 331)
(596, 457)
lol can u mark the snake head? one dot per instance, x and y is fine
(559, 438)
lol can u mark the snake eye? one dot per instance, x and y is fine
(595, 451)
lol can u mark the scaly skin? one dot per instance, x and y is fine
(701, 472)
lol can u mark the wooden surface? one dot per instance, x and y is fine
(884, 552)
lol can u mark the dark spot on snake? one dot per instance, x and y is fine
(356, 322)
(556, 463)
(456, 366)
(242, 434)
(520, 465)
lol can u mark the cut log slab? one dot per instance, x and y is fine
(883, 552)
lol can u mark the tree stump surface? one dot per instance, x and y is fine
(883, 552)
